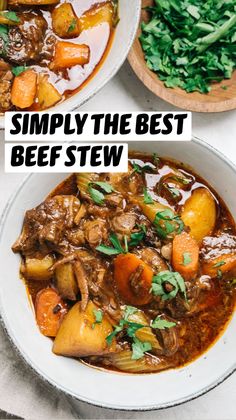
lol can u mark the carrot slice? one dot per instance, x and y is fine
(223, 263)
(68, 55)
(24, 89)
(50, 309)
(185, 255)
(133, 278)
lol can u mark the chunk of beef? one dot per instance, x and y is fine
(26, 40)
(153, 258)
(124, 223)
(95, 231)
(46, 225)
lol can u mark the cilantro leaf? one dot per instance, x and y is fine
(98, 317)
(219, 264)
(164, 278)
(186, 258)
(105, 186)
(18, 70)
(96, 195)
(118, 249)
(10, 15)
(147, 197)
(72, 26)
(161, 324)
(139, 236)
(139, 348)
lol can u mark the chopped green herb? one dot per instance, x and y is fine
(140, 169)
(219, 264)
(147, 197)
(164, 278)
(96, 195)
(233, 282)
(155, 159)
(161, 324)
(118, 249)
(107, 188)
(72, 26)
(224, 87)
(10, 16)
(130, 328)
(18, 70)
(190, 43)
(174, 191)
(167, 222)
(186, 258)
(98, 317)
(219, 274)
(137, 237)
(139, 348)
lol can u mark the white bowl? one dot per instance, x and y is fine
(129, 13)
(103, 388)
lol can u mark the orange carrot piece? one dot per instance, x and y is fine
(24, 89)
(134, 291)
(50, 309)
(223, 263)
(68, 54)
(185, 255)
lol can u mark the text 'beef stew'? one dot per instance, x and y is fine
(133, 271)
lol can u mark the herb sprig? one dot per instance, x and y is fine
(162, 280)
(167, 222)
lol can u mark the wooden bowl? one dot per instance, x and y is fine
(217, 100)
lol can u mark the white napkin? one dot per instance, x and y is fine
(25, 395)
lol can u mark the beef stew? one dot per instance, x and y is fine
(134, 271)
(50, 48)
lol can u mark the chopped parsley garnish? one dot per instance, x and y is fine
(10, 16)
(98, 314)
(174, 191)
(18, 70)
(219, 264)
(147, 197)
(117, 247)
(190, 43)
(139, 348)
(139, 236)
(167, 222)
(186, 258)
(97, 196)
(140, 169)
(167, 284)
(161, 324)
(72, 26)
(155, 159)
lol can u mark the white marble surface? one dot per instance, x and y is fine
(123, 93)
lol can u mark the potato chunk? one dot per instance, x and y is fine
(66, 282)
(38, 269)
(65, 22)
(47, 93)
(199, 213)
(99, 13)
(79, 337)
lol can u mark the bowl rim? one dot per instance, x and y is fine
(112, 73)
(44, 377)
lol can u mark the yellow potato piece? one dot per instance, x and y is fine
(64, 21)
(47, 93)
(100, 13)
(150, 210)
(77, 337)
(66, 282)
(199, 214)
(38, 269)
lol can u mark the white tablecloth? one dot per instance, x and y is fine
(21, 391)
